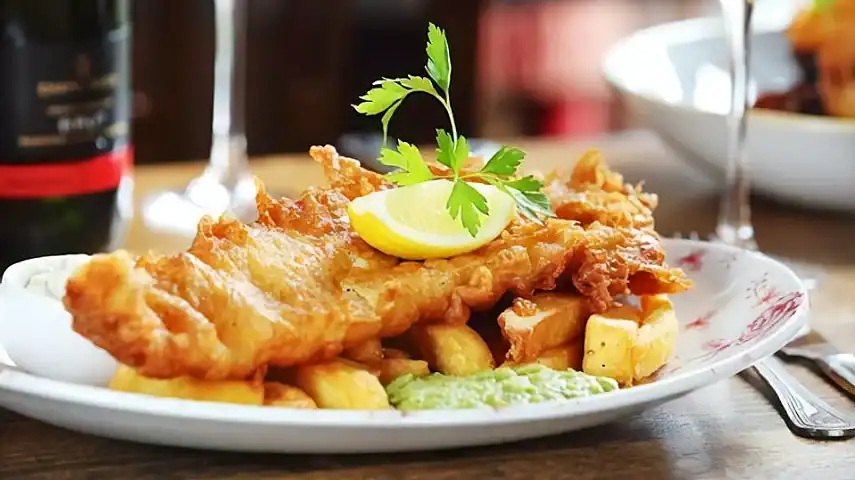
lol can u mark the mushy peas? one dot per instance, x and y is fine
(494, 388)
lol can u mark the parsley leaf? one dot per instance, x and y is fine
(418, 84)
(532, 205)
(525, 184)
(387, 117)
(504, 162)
(380, 98)
(439, 58)
(466, 201)
(461, 154)
(450, 153)
(445, 152)
(388, 94)
(413, 168)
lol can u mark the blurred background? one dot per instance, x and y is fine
(524, 71)
(521, 68)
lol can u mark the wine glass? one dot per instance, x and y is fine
(734, 225)
(734, 221)
(226, 184)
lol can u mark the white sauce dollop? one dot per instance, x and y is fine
(35, 328)
(49, 281)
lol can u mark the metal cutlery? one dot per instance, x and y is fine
(805, 414)
(837, 366)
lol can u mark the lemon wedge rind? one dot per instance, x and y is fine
(413, 223)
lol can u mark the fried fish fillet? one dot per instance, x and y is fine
(298, 285)
(611, 262)
(614, 214)
(595, 194)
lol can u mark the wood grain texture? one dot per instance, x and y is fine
(728, 430)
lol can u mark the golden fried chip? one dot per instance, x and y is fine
(286, 396)
(392, 368)
(127, 379)
(546, 321)
(368, 352)
(627, 350)
(564, 357)
(656, 338)
(340, 384)
(452, 349)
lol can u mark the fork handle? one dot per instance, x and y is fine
(805, 413)
(840, 368)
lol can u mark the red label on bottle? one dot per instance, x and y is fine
(97, 174)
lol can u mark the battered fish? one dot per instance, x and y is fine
(298, 285)
(595, 194)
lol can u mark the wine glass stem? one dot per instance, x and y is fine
(734, 222)
(228, 160)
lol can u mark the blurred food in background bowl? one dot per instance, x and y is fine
(676, 78)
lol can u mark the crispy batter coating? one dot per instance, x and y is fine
(595, 194)
(299, 286)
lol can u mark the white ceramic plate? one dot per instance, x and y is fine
(675, 77)
(744, 307)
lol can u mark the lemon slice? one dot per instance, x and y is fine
(413, 222)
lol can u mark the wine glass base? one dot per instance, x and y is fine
(179, 212)
(742, 237)
(173, 212)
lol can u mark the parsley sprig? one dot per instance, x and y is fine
(465, 201)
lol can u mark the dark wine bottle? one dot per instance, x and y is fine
(65, 149)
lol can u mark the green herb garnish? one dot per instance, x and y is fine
(452, 149)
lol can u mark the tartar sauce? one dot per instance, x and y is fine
(49, 281)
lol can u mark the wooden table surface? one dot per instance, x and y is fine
(728, 430)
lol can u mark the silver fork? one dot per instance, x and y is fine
(805, 414)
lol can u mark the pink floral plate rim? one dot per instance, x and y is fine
(776, 320)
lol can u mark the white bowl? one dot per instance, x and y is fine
(676, 77)
(35, 328)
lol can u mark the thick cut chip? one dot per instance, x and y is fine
(286, 396)
(368, 352)
(657, 337)
(127, 379)
(392, 368)
(564, 357)
(452, 349)
(625, 350)
(340, 384)
(546, 321)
